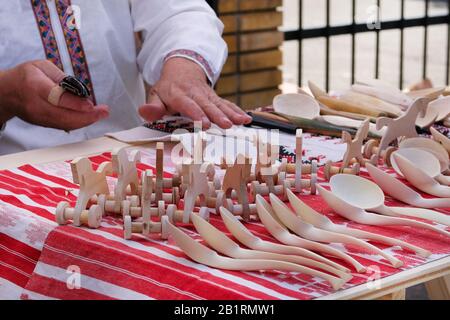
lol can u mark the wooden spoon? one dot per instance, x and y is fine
(424, 160)
(218, 241)
(360, 215)
(420, 179)
(440, 138)
(437, 111)
(431, 146)
(396, 189)
(281, 233)
(309, 231)
(309, 258)
(202, 254)
(365, 194)
(323, 222)
(395, 98)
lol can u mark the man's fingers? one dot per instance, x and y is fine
(242, 115)
(237, 117)
(71, 120)
(50, 70)
(189, 108)
(213, 112)
(154, 109)
(72, 102)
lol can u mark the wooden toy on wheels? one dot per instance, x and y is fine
(236, 179)
(372, 151)
(354, 149)
(91, 217)
(92, 183)
(330, 170)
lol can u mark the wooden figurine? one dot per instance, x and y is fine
(236, 178)
(354, 146)
(127, 174)
(403, 126)
(92, 183)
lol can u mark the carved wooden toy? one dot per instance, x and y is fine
(127, 175)
(236, 178)
(372, 151)
(92, 183)
(298, 182)
(330, 170)
(150, 227)
(354, 146)
(403, 126)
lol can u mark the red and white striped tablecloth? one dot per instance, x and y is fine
(38, 259)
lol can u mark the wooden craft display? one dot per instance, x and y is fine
(329, 170)
(402, 127)
(92, 183)
(127, 174)
(236, 179)
(355, 146)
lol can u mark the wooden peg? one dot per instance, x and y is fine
(159, 171)
(372, 151)
(91, 183)
(236, 178)
(91, 218)
(331, 170)
(403, 126)
(354, 146)
(127, 174)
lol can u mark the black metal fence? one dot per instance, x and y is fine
(354, 28)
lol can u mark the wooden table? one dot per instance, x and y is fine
(435, 275)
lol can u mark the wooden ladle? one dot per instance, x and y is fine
(321, 221)
(309, 231)
(218, 241)
(309, 258)
(440, 138)
(420, 179)
(204, 255)
(360, 215)
(365, 194)
(304, 106)
(396, 189)
(281, 233)
(422, 159)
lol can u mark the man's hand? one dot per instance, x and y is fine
(183, 89)
(24, 91)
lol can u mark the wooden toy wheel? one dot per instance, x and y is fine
(94, 217)
(161, 208)
(59, 213)
(126, 207)
(101, 202)
(204, 213)
(368, 147)
(387, 156)
(327, 170)
(134, 201)
(170, 212)
(313, 184)
(165, 227)
(221, 201)
(127, 227)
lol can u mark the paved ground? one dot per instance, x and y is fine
(314, 52)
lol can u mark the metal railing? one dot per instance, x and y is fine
(354, 28)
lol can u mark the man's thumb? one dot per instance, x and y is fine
(153, 110)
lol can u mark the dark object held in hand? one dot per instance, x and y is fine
(75, 86)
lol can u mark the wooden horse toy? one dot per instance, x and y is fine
(91, 183)
(127, 175)
(403, 126)
(354, 146)
(236, 178)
